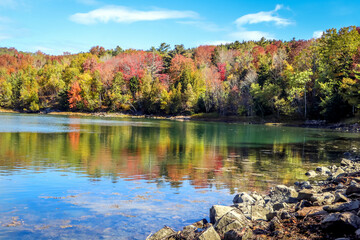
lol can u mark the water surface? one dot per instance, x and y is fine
(105, 178)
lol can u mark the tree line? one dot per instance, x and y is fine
(298, 79)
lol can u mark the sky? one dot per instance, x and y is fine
(57, 26)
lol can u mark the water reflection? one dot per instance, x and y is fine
(104, 171)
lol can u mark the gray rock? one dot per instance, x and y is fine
(234, 219)
(322, 199)
(305, 194)
(163, 233)
(311, 174)
(341, 222)
(339, 197)
(323, 170)
(357, 234)
(284, 215)
(275, 225)
(346, 162)
(337, 172)
(353, 188)
(244, 198)
(278, 206)
(239, 234)
(217, 211)
(282, 193)
(259, 213)
(302, 204)
(245, 209)
(209, 234)
(345, 207)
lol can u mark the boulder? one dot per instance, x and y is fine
(346, 162)
(259, 213)
(305, 194)
(282, 193)
(278, 206)
(209, 234)
(323, 170)
(344, 207)
(217, 211)
(302, 204)
(311, 174)
(244, 198)
(341, 222)
(339, 197)
(311, 211)
(353, 188)
(239, 234)
(322, 199)
(163, 233)
(357, 234)
(232, 220)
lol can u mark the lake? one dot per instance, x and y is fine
(66, 177)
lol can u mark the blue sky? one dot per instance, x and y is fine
(55, 26)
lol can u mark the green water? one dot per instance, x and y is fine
(106, 178)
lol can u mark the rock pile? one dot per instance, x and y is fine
(325, 208)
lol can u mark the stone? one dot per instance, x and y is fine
(200, 224)
(245, 209)
(346, 162)
(311, 174)
(259, 213)
(353, 188)
(305, 194)
(344, 207)
(323, 170)
(163, 233)
(232, 220)
(357, 234)
(217, 211)
(244, 198)
(284, 215)
(341, 222)
(282, 193)
(278, 206)
(322, 199)
(339, 197)
(337, 172)
(275, 225)
(239, 234)
(311, 211)
(302, 204)
(209, 234)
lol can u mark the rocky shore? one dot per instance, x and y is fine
(325, 207)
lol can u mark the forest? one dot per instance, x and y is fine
(298, 79)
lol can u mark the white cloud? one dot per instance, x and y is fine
(121, 14)
(250, 35)
(260, 17)
(317, 34)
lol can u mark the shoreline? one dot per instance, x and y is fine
(327, 206)
(348, 125)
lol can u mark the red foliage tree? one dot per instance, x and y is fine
(222, 70)
(203, 54)
(74, 95)
(178, 64)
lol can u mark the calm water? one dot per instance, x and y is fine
(65, 177)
